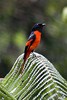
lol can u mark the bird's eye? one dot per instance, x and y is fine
(40, 25)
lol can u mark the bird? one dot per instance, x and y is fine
(33, 40)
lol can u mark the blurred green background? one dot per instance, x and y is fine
(16, 20)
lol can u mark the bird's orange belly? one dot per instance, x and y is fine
(36, 42)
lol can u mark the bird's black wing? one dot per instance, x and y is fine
(31, 37)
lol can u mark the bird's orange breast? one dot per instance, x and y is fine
(37, 40)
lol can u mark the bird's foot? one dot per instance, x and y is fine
(34, 55)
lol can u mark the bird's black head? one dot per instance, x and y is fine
(38, 26)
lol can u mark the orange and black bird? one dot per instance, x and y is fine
(33, 40)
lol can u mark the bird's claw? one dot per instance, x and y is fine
(34, 55)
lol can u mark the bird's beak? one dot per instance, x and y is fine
(43, 24)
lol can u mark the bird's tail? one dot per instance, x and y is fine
(26, 55)
(22, 67)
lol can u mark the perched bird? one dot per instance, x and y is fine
(33, 40)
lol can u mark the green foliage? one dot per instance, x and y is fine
(4, 41)
(19, 39)
(64, 15)
(16, 20)
(39, 81)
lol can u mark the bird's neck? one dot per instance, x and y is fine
(40, 30)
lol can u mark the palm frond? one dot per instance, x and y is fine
(39, 80)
